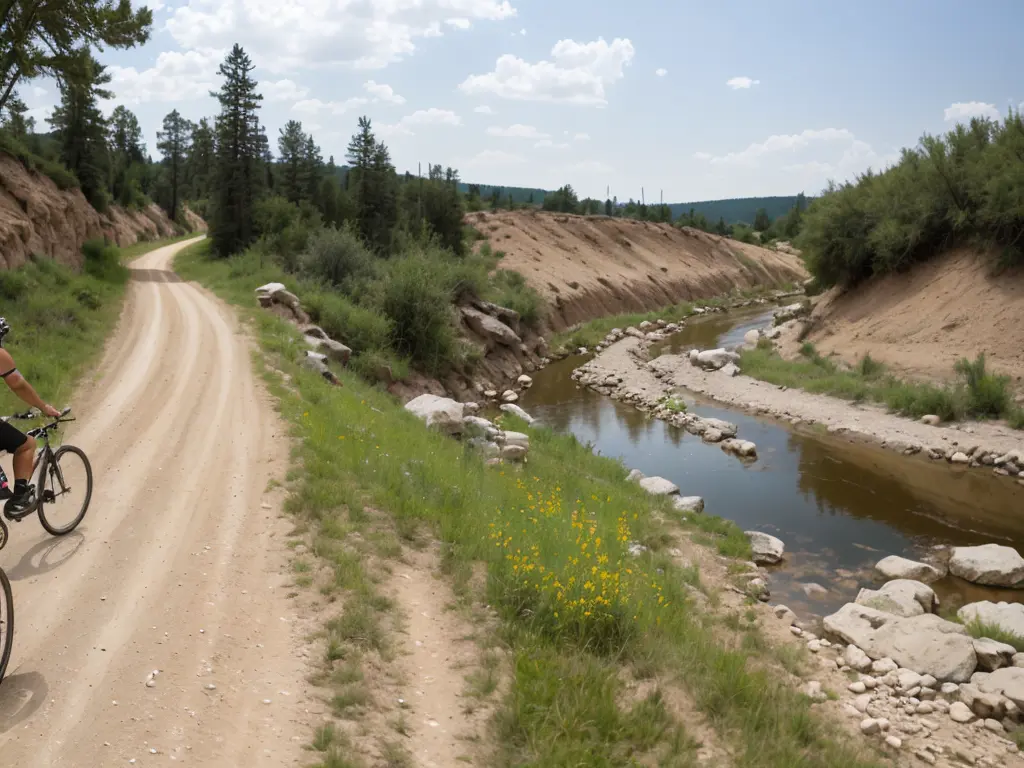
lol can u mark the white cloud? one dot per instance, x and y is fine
(491, 158)
(282, 90)
(484, 110)
(805, 160)
(381, 92)
(592, 167)
(174, 77)
(316, 107)
(738, 83)
(432, 116)
(581, 137)
(38, 92)
(661, 72)
(548, 143)
(517, 131)
(302, 34)
(964, 111)
(578, 73)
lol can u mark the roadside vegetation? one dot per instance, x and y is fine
(577, 610)
(60, 317)
(976, 393)
(958, 189)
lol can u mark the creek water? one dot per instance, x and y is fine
(839, 506)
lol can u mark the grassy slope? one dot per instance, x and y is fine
(60, 320)
(572, 615)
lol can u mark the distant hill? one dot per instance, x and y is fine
(740, 209)
(519, 194)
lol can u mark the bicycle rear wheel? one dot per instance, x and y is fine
(6, 623)
(64, 490)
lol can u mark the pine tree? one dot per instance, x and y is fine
(290, 147)
(82, 131)
(126, 136)
(53, 39)
(173, 141)
(312, 171)
(374, 188)
(238, 156)
(15, 122)
(199, 162)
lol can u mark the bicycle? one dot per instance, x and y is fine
(54, 466)
(6, 623)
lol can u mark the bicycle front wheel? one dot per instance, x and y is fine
(6, 623)
(64, 490)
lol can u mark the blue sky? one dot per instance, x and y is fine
(701, 100)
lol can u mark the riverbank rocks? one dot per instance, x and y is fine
(440, 413)
(713, 359)
(317, 362)
(1007, 682)
(659, 486)
(789, 312)
(992, 654)
(515, 410)
(926, 644)
(993, 565)
(693, 504)
(750, 338)
(493, 330)
(1008, 617)
(895, 567)
(900, 597)
(766, 549)
(744, 448)
(317, 338)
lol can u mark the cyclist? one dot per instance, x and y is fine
(13, 440)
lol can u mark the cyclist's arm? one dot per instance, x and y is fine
(19, 384)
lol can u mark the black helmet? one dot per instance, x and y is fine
(4, 329)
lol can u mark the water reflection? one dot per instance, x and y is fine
(840, 507)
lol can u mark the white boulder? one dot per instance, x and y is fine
(688, 503)
(900, 597)
(895, 567)
(994, 565)
(730, 369)
(992, 654)
(509, 396)
(635, 476)
(659, 486)
(441, 413)
(766, 549)
(856, 659)
(751, 337)
(525, 381)
(713, 359)
(513, 452)
(516, 438)
(515, 410)
(926, 644)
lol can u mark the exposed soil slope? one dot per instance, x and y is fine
(591, 266)
(922, 321)
(180, 565)
(37, 217)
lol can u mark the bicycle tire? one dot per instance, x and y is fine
(6, 624)
(40, 487)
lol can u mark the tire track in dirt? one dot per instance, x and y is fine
(179, 565)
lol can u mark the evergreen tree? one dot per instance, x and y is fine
(761, 220)
(238, 156)
(374, 188)
(82, 131)
(126, 136)
(312, 171)
(53, 39)
(608, 207)
(199, 162)
(291, 145)
(15, 121)
(173, 143)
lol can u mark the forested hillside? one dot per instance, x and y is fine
(740, 210)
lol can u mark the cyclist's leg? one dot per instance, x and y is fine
(23, 447)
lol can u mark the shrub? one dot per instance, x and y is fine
(869, 367)
(380, 366)
(103, 261)
(361, 328)
(416, 296)
(509, 289)
(337, 256)
(988, 395)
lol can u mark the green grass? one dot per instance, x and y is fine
(977, 394)
(565, 704)
(61, 318)
(61, 176)
(978, 628)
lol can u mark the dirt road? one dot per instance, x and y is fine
(180, 565)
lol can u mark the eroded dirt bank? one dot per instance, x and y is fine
(591, 266)
(921, 322)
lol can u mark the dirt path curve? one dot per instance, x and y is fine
(179, 565)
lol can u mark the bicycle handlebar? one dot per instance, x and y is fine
(31, 414)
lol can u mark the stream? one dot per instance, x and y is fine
(840, 507)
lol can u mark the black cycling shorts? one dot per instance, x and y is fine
(11, 439)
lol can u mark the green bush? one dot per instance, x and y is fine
(380, 366)
(988, 395)
(361, 328)
(337, 256)
(958, 188)
(869, 367)
(416, 296)
(60, 175)
(103, 261)
(509, 289)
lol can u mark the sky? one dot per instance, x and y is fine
(689, 100)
